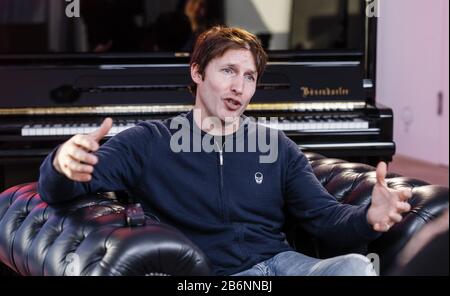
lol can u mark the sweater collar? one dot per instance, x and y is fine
(243, 125)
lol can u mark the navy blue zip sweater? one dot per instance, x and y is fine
(214, 198)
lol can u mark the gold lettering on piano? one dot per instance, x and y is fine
(324, 92)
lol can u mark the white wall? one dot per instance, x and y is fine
(445, 123)
(412, 68)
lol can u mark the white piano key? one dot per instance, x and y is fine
(25, 130)
(65, 131)
(289, 124)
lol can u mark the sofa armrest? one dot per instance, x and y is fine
(352, 183)
(88, 236)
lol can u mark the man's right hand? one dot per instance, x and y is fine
(75, 159)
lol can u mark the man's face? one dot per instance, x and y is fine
(227, 86)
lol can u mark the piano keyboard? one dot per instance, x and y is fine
(70, 129)
(318, 124)
(284, 123)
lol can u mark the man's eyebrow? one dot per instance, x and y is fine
(235, 66)
(231, 65)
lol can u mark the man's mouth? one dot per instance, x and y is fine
(232, 104)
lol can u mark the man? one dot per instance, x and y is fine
(231, 204)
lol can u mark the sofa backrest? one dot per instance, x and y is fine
(352, 183)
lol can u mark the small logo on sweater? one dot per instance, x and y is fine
(259, 177)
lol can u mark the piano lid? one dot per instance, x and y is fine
(297, 80)
(83, 58)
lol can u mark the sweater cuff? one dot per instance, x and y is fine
(363, 228)
(47, 166)
(51, 182)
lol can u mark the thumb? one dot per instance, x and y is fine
(103, 130)
(381, 173)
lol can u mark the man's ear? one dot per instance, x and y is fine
(195, 74)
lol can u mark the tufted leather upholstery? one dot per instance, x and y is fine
(38, 239)
(352, 183)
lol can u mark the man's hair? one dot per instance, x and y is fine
(215, 42)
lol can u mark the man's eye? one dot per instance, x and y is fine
(227, 70)
(250, 78)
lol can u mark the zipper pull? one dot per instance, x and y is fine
(220, 152)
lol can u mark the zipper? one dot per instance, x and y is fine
(221, 157)
(220, 152)
(222, 198)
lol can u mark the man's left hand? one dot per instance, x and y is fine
(387, 204)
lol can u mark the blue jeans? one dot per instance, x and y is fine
(292, 263)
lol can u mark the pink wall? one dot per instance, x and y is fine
(412, 69)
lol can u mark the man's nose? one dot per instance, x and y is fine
(237, 85)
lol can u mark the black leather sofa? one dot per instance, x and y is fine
(95, 236)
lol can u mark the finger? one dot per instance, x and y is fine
(380, 228)
(86, 142)
(403, 207)
(103, 130)
(386, 227)
(81, 155)
(81, 177)
(381, 173)
(395, 218)
(376, 227)
(405, 194)
(76, 167)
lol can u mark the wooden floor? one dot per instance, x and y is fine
(410, 167)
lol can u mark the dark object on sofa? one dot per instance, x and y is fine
(94, 236)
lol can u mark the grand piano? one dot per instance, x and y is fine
(323, 98)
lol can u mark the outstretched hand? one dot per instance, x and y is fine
(387, 204)
(75, 159)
